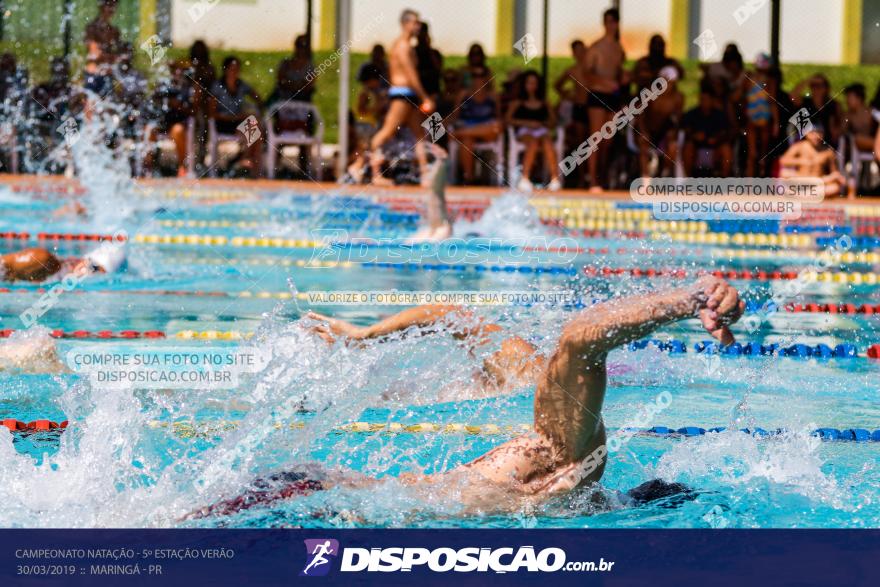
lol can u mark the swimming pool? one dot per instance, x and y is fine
(223, 267)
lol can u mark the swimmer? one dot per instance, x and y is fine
(38, 264)
(566, 451)
(409, 103)
(32, 352)
(518, 363)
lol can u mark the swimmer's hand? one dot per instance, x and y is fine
(333, 328)
(74, 208)
(718, 306)
(427, 106)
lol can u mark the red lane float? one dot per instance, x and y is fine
(101, 334)
(61, 236)
(682, 273)
(35, 426)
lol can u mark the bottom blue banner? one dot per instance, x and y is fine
(437, 557)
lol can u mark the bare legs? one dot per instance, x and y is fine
(400, 112)
(598, 117)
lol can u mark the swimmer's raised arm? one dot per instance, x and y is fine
(457, 318)
(570, 393)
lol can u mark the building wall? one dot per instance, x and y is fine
(454, 24)
(812, 30)
(256, 25)
(582, 19)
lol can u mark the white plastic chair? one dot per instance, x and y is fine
(214, 140)
(857, 158)
(294, 110)
(495, 148)
(515, 149)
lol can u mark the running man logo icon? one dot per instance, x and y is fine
(250, 128)
(154, 49)
(527, 47)
(802, 122)
(70, 130)
(434, 125)
(317, 553)
(707, 45)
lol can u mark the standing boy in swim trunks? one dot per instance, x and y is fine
(572, 88)
(408, 99)
(604, 75)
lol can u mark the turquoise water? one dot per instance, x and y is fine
(120, 463)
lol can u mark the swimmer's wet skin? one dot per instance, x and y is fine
(566, 450)
(516, 364)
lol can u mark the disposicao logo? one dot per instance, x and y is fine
(318, 553)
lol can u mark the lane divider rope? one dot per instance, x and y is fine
(796, 350)
(61, 236)
(191, 429)
(850, 277)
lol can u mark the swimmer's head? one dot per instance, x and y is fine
(108, 258)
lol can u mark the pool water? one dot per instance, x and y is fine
(136, 457)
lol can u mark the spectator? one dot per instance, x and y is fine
(13, 84)
(875, 104)
(476, 59)
(658, 126)
(858, 121)
(172, 107)
(728, 78)
(372, 103)
(761, 118)
(56, 87)
(511, 89)
(103, 42)
(202, 75)
(429, 63)
(379, 62)
(475, 120)
(52, 100)
(230, 110)
(7, 75)
(707, 133)
(823, 109)
(452, 87)
(604, 74)
(785, 110)
(296, 74)
(131, 85)
(810, 158)
(647, 68)
(534, 121)
(571, 87)
(877, 146)
(131, 91)
(731, 70)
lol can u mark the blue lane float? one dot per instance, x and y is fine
(712, 347)
(829, 434)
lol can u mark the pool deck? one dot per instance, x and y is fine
(453, 192)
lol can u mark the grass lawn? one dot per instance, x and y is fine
(258, 69)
